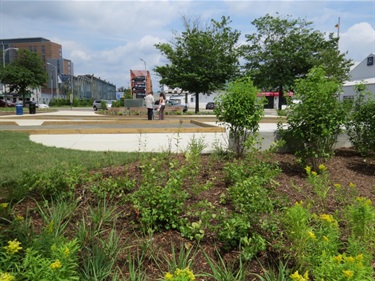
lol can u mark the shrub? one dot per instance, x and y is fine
(240, 110)
(315, 122)
(360, 125)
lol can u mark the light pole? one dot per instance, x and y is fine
(144, 63)
(57, 82)
(4, 52)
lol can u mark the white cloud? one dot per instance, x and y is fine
(108, 38)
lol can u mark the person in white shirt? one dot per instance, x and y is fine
(149, 100)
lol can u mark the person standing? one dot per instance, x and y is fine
(149, 100)
(161, 107)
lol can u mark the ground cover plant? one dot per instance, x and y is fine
(191, 216)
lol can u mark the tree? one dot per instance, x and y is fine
(201, 60)
(315, 122)
(25, 72)
(241, 111)
(360, 125)
(285, 49)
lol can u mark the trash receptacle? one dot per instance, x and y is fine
(32, 107)
(19, 109)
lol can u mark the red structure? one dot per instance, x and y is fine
(140, 83)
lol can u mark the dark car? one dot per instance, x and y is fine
(7, 103)
(210, 105)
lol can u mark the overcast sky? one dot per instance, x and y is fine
(108, 38)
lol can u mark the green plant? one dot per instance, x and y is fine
(361, 217)
(223, 271)
(60, 262)
(360, 125)
(58, 181)
(315, 122)
(159, 199)
(232, 229)
(281, 273)
(113, 187)
(100, 255)
(240, 111)
(319, 180)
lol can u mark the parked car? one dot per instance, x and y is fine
(7, 103)
(42, 105)
(97, 104)
(172, 103)
(210, 105)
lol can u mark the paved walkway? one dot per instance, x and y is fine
(131, 142)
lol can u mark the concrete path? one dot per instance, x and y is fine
(142, 142)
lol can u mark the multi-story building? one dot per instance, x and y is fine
(140, 83)
(51, 54)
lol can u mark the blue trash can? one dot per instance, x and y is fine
(19, 109)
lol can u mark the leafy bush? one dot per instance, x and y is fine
(360, 126)
(240, 110)
(315, 122)
(51, 183)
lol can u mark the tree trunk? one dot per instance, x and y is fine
(196, 102)
(281, 95)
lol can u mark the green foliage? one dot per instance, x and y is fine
(60, 262)
(232, 229)
(315, 122)
(113, 187)
(361, 217)
(316, 245)
(240, 110)
(360, 125)
(284, 49)
(59, 181)
(201, 60)
(225, 271)
(159, 199)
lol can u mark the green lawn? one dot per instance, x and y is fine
(19, 154)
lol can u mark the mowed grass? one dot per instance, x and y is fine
(19, 154)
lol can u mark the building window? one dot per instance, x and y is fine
(191, 99)
(370, 61)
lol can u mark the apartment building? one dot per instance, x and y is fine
(140, 83)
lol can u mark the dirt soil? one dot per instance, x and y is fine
(344, 168)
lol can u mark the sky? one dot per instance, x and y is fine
(108, 38)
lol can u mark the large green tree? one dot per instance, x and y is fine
(201, 59)
(26, 72)
(284, 49)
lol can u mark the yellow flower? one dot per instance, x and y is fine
(348, 273)
(6, 277)
(325, 238)
(349, 259)
(19, 218)
(338, 258)
(168, 277)
(55, 265)
(66, 252)
(359, 257)
(337, 186)
(351, 185)
(322, 167)
(300, 203)
(327, 218)
(308, 169)
(13, 247)
(297, 277)
(311, 235)
(314, 173)
(3, 205)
